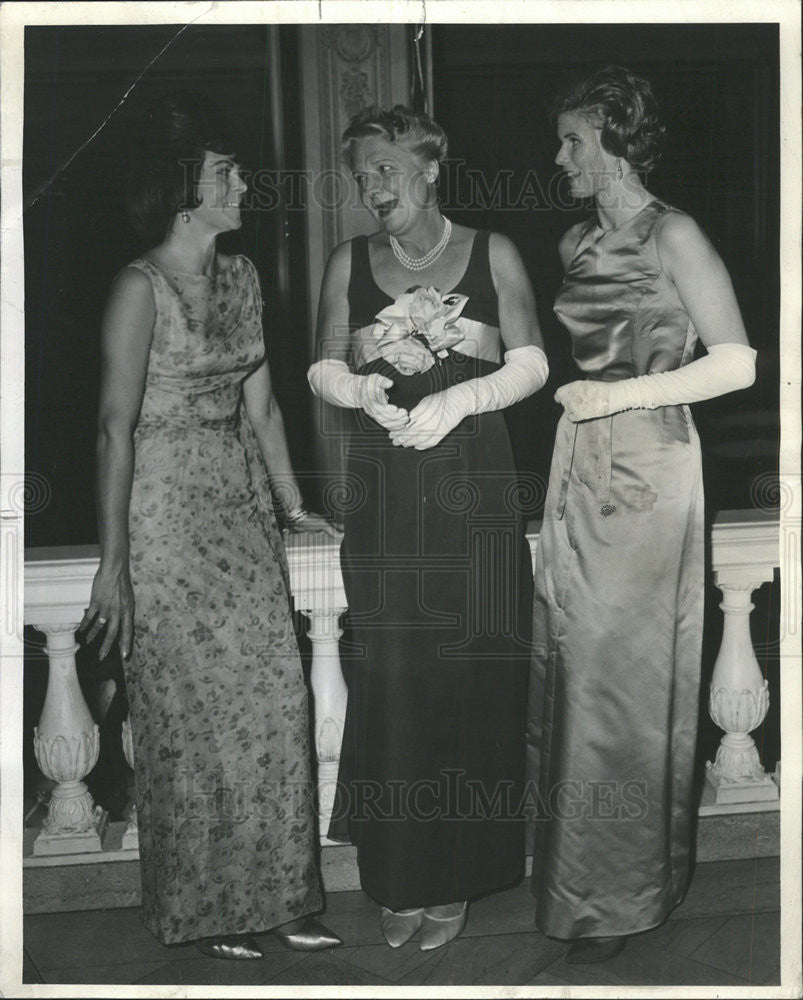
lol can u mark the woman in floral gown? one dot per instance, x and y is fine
(192, 563)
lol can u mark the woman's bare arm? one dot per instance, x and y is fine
(126, 339)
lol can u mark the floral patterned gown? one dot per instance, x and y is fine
(218, 700)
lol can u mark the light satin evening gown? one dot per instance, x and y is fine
(618, 610)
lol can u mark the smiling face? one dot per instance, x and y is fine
(220, 190)
(588, 166)
(393, 182)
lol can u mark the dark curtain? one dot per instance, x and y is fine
(717, 86)
(77, 236)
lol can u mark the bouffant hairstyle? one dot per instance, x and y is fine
(622, 104)
(167, 151)
(412, 130)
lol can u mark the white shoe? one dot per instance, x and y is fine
(437, 931)
(399, 926)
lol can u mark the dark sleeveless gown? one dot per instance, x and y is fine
(439, 581)
(618, 619)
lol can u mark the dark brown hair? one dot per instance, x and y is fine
(168, 145)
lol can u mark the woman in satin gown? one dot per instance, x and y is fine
(193, 578)
(435, 563)
(618, 613)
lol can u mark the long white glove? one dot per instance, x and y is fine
(525, 370)
(332, 381)
(725, 368)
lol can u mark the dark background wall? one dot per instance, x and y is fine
(77, 236)
(718, 89)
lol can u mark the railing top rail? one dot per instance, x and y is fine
(62, 554)
(729, 528)
(745, 541)
(753, 516)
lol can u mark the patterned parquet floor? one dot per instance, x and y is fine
(726, 933)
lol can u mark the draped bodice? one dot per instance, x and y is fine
(622, 311)
(479, 321)
(207, 338)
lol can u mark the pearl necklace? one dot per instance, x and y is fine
(420, 263)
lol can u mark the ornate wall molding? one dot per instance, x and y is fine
(345, 67)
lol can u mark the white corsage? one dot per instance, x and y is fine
(418, 329)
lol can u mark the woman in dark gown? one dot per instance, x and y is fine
(435, 563)
(192, 563)
(618, 617)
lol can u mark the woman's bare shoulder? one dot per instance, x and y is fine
(682, 245)
(338, 267)
(132, 281)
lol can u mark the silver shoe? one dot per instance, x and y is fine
(438, 931)
(313, 936)
(236, 947)
(398, 926)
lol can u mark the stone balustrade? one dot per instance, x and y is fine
(66, 741)
(744, 554)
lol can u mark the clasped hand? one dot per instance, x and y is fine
(374, 399)
(585, 400)
(430, 421)
(426, 425)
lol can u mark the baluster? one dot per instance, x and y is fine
(131, 835)
(66, 744)
(739, 700)
(316, 584)
(329, 695)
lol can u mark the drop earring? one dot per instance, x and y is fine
(619, 173)
(185, 216)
